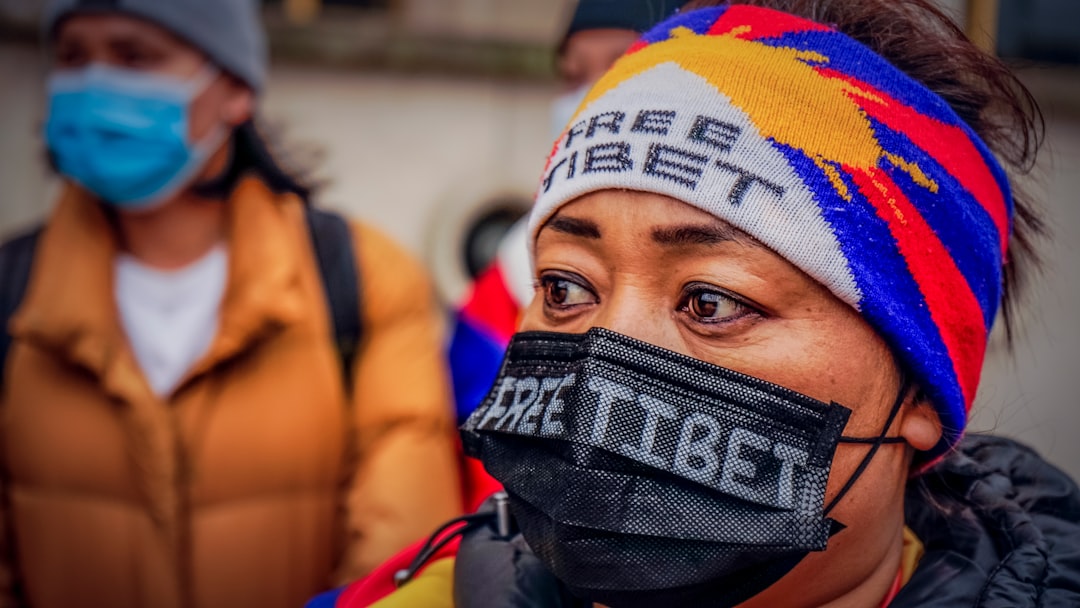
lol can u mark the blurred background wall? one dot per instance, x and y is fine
(429, 118)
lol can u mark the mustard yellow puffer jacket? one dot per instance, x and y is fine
(238, 489)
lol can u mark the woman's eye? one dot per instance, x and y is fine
(712, 306)
(137, 55)
(70, 56)
(138, 59)
(561, 292)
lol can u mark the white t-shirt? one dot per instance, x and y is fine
(170, 317)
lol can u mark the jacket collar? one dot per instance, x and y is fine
(70, 306)
(1001, 528)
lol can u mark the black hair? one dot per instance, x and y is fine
(255, 153)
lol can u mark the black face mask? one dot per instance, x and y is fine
(642, 477)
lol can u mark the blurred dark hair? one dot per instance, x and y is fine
(257, 150)
(925, 43)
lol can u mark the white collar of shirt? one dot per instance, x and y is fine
(170, 317)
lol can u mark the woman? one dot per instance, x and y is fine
(768, 253)
(177, 429)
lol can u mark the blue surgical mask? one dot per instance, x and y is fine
(124, 135)
(564, 106)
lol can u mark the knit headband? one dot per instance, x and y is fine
(824, 152)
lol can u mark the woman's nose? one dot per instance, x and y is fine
(633, 313)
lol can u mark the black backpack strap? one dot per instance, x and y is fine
(332, 239)
(16, 257)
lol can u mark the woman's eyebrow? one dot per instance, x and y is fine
(700, 234)
(574, 226)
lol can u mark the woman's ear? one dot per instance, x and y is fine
(919, 423)
(239, 104)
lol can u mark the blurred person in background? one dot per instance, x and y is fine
(181, 426)
(768, 253)
(598, 34)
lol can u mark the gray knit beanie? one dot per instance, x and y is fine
(228, 31)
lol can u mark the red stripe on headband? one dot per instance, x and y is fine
(950, 146)
(763, 23)
(953, 306)
(637, 46)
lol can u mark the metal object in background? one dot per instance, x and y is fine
(515, 21)
(465, 228)
(302, 12)
(982, 23)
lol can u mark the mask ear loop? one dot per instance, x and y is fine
(875, 442)
(202, 149)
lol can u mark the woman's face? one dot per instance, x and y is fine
(139, 46)
(664, 272)
(588, 54)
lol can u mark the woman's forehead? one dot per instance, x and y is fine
(665, 219)
(116, 27)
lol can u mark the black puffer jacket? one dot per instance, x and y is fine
(1000, 525)
(1001, 528)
